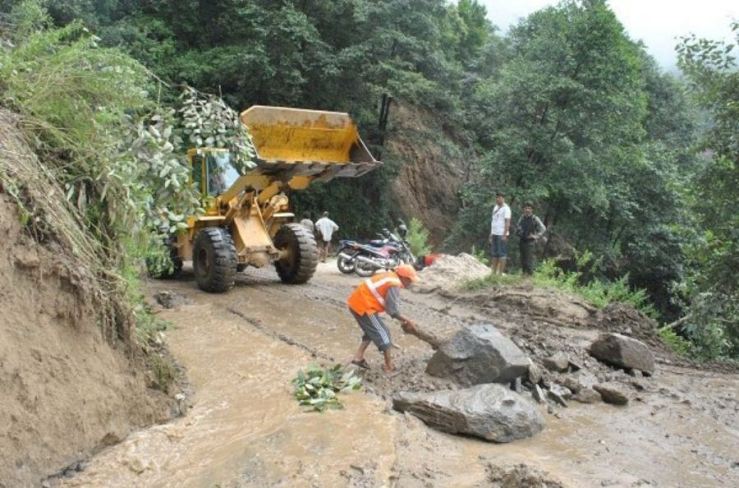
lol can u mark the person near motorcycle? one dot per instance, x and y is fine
(325, 229)
(380, 293)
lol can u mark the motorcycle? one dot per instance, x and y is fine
(349, 250)
(386, 253)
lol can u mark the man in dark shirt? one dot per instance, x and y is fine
(530, 229)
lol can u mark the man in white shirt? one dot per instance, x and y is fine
(499, 229)
(325, 228)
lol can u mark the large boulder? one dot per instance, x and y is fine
(478, 354)
(492, 412)
(624, 352)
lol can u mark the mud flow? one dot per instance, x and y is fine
(242, 427)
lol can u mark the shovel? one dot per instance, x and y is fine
(425, 336)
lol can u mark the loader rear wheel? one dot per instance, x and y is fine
(301, 258)
(214, 260)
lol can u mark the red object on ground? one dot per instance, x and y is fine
(430, 259)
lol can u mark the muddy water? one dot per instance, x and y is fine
(241, 350)
(244, 428)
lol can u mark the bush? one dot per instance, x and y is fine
(480, 255)
(418, 237)
(677, 343)
(108, 163)
(598, 292)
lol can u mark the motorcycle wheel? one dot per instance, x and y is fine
(345, 265)
(364, 270)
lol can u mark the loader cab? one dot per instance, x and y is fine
(211, 173)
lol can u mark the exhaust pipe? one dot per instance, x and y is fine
(346, 256)
(369, 261)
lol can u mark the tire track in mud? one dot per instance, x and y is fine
(259, 325)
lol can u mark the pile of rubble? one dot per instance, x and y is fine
(497, 384)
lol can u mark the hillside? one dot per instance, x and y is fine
(432, 172)
(71, 385)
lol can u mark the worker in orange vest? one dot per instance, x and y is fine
(373, 296)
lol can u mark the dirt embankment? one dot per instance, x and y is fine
(67, 390)
(432, 172)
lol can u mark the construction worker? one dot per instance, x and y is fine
(373, 296)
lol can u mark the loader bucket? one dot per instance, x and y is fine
(312, 143)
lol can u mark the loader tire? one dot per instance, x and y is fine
(214, 260)
(300, 263)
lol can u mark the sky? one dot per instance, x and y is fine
(658, 23)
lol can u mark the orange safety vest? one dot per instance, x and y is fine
(369, 297)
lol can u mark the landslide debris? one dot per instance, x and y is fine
(520, 476)
(72, 379)
(449, 273)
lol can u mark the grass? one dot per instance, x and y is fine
(596, 292)
(493, 280)
(163, 371)
(675, 342)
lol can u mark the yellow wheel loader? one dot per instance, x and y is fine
(247, 221)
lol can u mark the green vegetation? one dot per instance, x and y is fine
(597, 292)
(108, 149)
(710, 290)
(316, 388)
(675, 342)
(418, 237)
(493, 280)
(620, 158)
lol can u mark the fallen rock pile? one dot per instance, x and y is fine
(497, 379)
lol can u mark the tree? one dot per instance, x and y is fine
(710, 290)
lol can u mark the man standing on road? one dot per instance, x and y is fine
(529, 229)
(499, 229)
(325, 229)
(373, 296)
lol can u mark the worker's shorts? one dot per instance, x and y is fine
(374, 329)
(498, 247)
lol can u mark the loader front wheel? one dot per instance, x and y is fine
(301, 256)
(214, 260)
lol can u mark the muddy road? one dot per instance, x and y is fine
(243, 428)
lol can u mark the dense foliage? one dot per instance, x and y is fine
(710, 288)
(623, 161)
